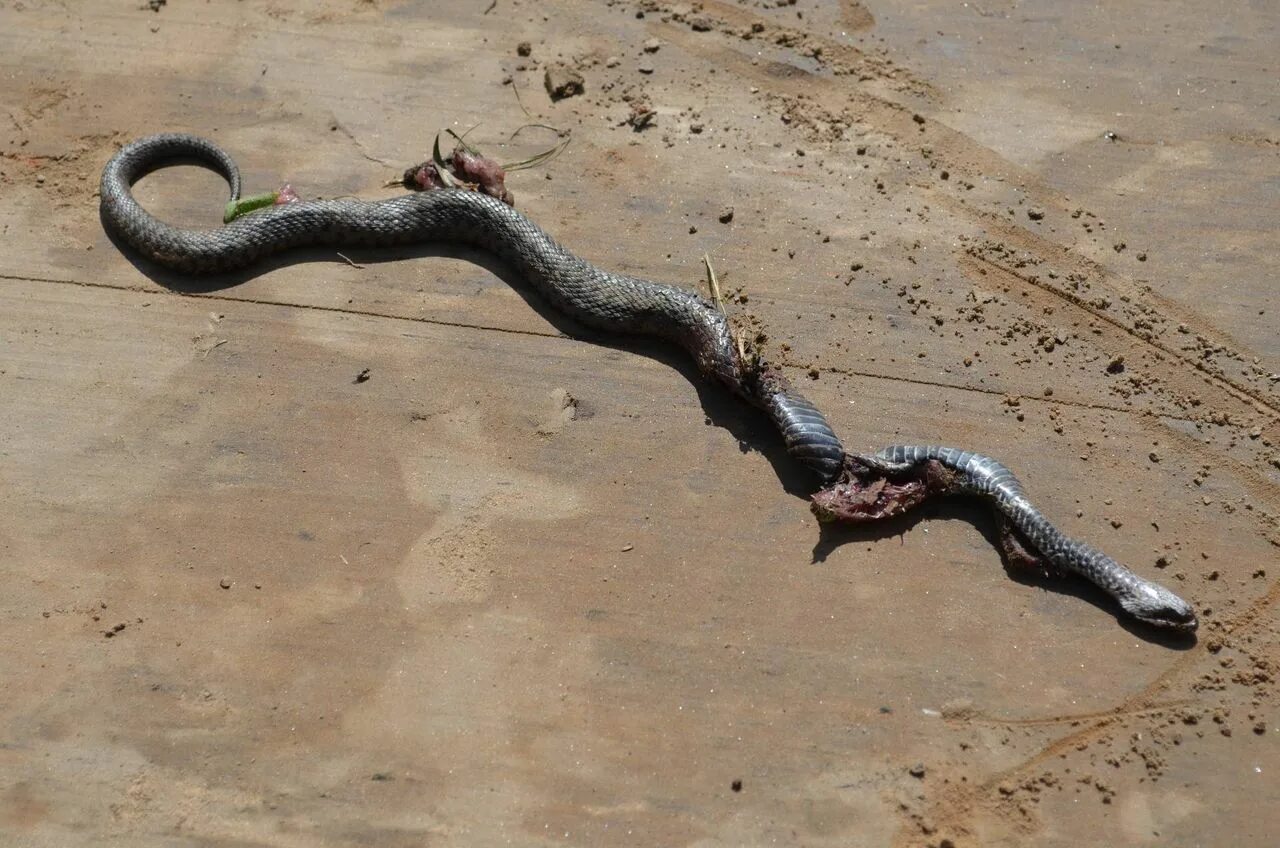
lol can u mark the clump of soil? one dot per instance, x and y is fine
(562, 81)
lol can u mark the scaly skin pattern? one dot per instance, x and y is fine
(596, 298)
(590, 295)
(984, 476)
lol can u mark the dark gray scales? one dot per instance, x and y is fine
(855, 488)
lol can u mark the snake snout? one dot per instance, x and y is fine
(1157, 606)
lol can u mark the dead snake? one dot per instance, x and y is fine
(615, 303)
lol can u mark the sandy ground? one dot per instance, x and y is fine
(524, 587)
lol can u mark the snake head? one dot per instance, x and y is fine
(1157, 606)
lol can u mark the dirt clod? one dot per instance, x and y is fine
(562, 81)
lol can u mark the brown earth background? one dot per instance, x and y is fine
(527, 586)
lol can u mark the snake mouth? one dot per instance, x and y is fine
(1184, 623)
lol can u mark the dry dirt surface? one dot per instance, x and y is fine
(374, 549)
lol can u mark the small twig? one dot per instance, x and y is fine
(461, 139)
(492, 6)
(349, 262)
(539, 158)
(713, 283)
(519, 102)
(218, 343)
(523, 127)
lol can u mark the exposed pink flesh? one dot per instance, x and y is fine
(861, 496)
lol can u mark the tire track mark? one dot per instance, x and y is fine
(1108, 716)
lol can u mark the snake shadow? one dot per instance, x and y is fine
(978, 514)
(750, 426)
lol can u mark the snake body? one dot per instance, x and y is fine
(984, 476)
(597, 298)
(594, 297)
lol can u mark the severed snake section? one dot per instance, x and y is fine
(855, 488)
(899, 477)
